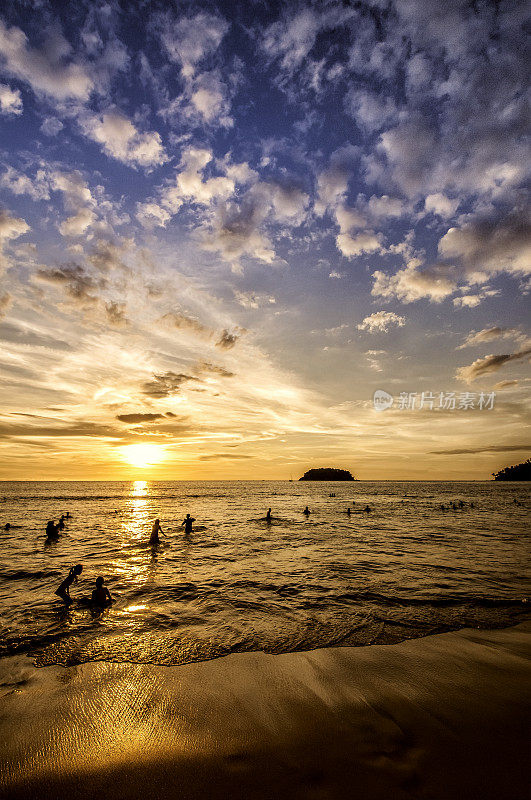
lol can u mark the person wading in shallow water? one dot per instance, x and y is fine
(187, 522)
(155, 532)
(101, 595)
(63, 591)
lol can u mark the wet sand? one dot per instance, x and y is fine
(441, 717)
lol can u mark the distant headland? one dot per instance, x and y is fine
(519, 472)
(327, 474)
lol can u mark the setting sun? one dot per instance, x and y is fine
(143, 455)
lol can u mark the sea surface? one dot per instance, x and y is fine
(406, 569)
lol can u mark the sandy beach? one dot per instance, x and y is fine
(440, 717)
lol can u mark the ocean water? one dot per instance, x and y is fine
(405, 570)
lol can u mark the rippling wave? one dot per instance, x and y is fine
(236, 583)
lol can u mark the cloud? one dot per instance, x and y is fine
(132, 419)
(410, 283)
(121, 140)
(45, 70)
(227, 339)
(502, 448)
(372, 112)
(189, 40)
(115, 313)
(30, 336)
(183, 322)
(332, 183)
(51, 126)
(10, 228)
(488, 365)
(488, 334)
(166, 384)
(5, 302)
(208, 98)
(253, 299)
(216, 369)
(489, 244)
(352, 245)
(10, 100)
(78, 223)
(19, 184)
(76, 281)
(223, 456)
(440, 205)
(151, 215)
(290, 41)
(381, 322)
(505, 384)
(473, 300)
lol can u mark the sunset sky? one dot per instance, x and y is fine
(224, 226)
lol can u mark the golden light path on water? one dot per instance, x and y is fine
(132, 563)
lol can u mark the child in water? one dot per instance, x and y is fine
(101, 595)
(64, 589)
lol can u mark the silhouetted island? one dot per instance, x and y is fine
(519, 472)
(327, 474)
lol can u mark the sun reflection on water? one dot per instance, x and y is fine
(139, 489)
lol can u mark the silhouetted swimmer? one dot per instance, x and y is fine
(52, 530)
(187, 522)
(67, 515)
(61, 524)
(101, 595)
(348, 512)
(461, 504)
(154, 539)
(7, 526)
(64, 589)
(367, 508)
(268, 515)
(307, 511)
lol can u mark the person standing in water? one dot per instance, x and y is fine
(63, 591)
(52, 530)
(187, 522)
(155, 532)
(307, 511)
(268, 515)
(101, 595)
(348, 511)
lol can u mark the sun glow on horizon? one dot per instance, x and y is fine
(143, 455)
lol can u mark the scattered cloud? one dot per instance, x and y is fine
(133, 419)
(489, 364)
(228, 339)
(381, 322)
(10, 100)
(48, 70)
(489, 334)
(166, 384)
(121, 140)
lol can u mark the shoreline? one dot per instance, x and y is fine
(440, 717)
